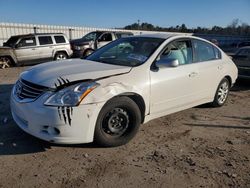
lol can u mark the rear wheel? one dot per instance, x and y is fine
(118, 122)
(5, 62)
(60, 56)
(221, 93)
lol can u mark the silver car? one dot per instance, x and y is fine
(34, 48)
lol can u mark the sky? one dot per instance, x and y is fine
(117, 14)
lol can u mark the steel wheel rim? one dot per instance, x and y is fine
(60, 57)
(5, 62)
(223, 92)
(116, 122)
(88, 53)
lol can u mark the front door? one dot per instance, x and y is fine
(174, 88)
(104, 39)
(26, 50)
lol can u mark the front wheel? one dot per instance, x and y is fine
(87, 53)
(5, 62)
(118, 122)
(221, 93)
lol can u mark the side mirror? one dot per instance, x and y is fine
(167, 63)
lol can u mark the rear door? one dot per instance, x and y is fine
(46, 46)
(210, 66)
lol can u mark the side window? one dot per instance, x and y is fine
(24, 42)
(43, 40)
(106, 37)
(59, 39)
(180, 50)
(204, 51)
(122, 35)
(217, 53)
(244, 52)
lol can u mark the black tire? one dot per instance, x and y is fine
(60, 56)
(5, 62)
(221, 94)
(87, 53)
(118, 122)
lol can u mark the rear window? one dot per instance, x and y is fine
(242, 44)
(245, 52)
(60, 39)
(204, 51)
(43, 40)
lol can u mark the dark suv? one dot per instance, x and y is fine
(87, 44)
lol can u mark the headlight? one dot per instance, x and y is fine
(72, 95)
(77, 47)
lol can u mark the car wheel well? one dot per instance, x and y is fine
(61, 51)
(138, 100)
(86, 50)
(229, 79)
(13, 63)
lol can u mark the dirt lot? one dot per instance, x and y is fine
(199, 147)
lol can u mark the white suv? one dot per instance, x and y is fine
(107, 96)
(34, 48)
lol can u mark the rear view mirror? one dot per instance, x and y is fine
(167, 63)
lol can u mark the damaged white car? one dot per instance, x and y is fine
(130, 81)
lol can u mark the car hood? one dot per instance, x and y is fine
(57, 73)
(5, 48)
(79, 42)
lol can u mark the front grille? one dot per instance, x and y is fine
(28, 90)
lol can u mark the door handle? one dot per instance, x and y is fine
(193, 74)
(33, 49)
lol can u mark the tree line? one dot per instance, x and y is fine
(236, 27)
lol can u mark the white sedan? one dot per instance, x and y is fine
(128, 82)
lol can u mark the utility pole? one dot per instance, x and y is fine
(138, 24)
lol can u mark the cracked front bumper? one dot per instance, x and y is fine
(53, 124)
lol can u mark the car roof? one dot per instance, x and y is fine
(164, 35)
(33, 34)
(113, 31)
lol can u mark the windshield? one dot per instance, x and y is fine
(132, 51)
(11, 41)
(91, 36)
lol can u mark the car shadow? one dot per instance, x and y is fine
(218, 126)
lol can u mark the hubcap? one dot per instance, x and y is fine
(88, 53)
(223, 92)
(116, 122)
(60, 57)
(4, 62)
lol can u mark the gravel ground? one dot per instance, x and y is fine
(198, 147)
